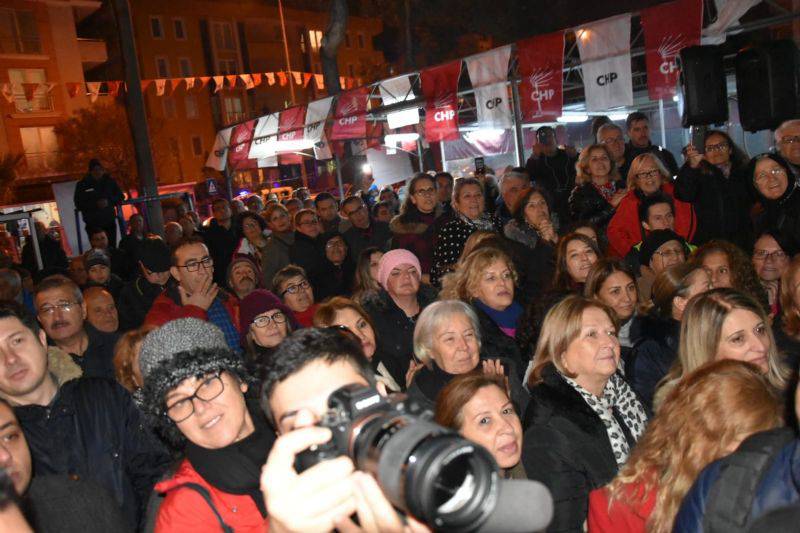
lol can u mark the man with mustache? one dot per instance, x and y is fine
(61, 310)
(243, 276)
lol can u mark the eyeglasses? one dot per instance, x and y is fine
(795, 139)
(335, 244)
(194, 266)
(649, 174)
(613, 140)
(763, 255)
(719, 147)
(265, 320)
(293, 289)
(430, 191)
(776, 172)
(207, 391)
(671, 254)
(49, 310)
(354, 211)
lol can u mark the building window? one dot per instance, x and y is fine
(41, 101)
(162, 67)
(185, 66)
(191, 106)
(347, 40)
(156, 28)
(223, 36)
(197, 145)
(232, 108)
(315, 37)
(175, 147)
(180, 29)
(170, 110)
(227, 66)
(18, 33)
(41, 147)
(361, 40)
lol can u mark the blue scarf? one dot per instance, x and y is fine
(218, 315)
(506, 320)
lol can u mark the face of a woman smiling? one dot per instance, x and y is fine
(770, 178)
(580, 258)
(455, 345)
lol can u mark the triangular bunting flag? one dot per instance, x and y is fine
(29, 89)
(160, 86)
(8, 92)
(93, 88)
(189, 83)
(282, 78)
(320, 80)
(298, 77)
(219, 81)
(247, 79)
(256, 78)
(231, 80)
(73, 88)
(145, 84)
(175, 83)
(204, 81)
(306, 78)
(270, 78)
(113, 88)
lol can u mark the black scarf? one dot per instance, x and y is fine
(432, 381)
(236, 469)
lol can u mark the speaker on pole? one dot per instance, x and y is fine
(702, 84)
(767, 84)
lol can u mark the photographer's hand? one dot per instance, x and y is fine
(314, 501)
(375, 513)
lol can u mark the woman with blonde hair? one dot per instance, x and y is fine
(126, 358)
(486, 279)
(598, 187)
(725, 324)
(787, 326)
(583, 419)
(365, 282)
(706, 416)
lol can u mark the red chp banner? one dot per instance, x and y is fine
(440, 85)
(241, 137)
(350, 120)
(667, 29)
(541, 63)
(291, 124)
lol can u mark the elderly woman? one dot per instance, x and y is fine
(291, 285)
(345, 313)
(646, 177)
(414, 229)
(396, 307)
(725, 324)
(776, 189)
(713, 180)
(447, 342)
(264, 322)
(339, 267)
(583, 418)
(598, 187)
(194, 395)
(469, 216)
(485, 279)
(478, 406)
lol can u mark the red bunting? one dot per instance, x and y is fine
(73, 88)
(231, 80)
(113, 88)
(440, 85)
(541, 65)
(204, 81)
(145, 84)
(241, 137)
(282, 78)
(29, 89)
(175, 82)
(350, 120)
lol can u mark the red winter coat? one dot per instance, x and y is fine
(166, 307)
(624, 229)
(185, 511)
(621, 517)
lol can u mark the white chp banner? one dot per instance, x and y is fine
(605, 48)
(218, 157)
(488, 72)
(265, 135)
(399, 90)
(316, 115)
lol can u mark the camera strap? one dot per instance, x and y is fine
(207, 497)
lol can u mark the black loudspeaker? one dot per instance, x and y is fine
(767, 84)
(702, 83)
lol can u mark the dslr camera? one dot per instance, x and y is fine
(424, 469)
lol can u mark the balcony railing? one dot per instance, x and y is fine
(41, 162)
(38, 104)
(20, 45)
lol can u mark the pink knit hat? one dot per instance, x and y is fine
(393, 259)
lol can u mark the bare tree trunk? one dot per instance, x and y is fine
(333, 38)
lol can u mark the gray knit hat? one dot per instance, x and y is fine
(181, 349)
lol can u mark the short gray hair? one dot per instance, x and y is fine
(431, 319)
(515, 174)
(795, 122)
(605, 127)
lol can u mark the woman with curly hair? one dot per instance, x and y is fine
(705, 417)
(731, 268)
(787, 325)
(598, 187)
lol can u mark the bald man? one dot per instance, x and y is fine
(101, 312)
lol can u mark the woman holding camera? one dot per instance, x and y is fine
(583, 418)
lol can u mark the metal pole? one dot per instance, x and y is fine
(519, 139)
(36, 252)
(661, 119)
(339, 178)
(228, 182)
(136, 115)
(420, 154)
(286, 51)
(441, 148)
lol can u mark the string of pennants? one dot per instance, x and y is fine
(93, 89)
(604, 48)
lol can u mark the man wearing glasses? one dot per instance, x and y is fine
(363, 232)
(61, 311)
(192, 293)
(787, 140)
(88, 428)
(613, 137)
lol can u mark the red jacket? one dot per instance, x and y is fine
(166, 307)
(624, 229)
(185, 511)
(621, 517)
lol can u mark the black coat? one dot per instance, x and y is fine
(450, 240)
(586, 204)
(92, 429)
(54, 259)
(89, 191)
(534, 259)
(495, 344)
(394, 331)
(98, 359)
(221, 244)
(135, 300)
(782, 216)
(378, 234)
(556, 175)
(308, 253)
(652, 356)
(566, 447)
(666, 157)
(722, 204)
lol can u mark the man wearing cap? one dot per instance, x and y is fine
(86, 428)
(659, 251)
(98, 269)
(243, 277)
(192, 293)
(96, 196)
(138, 296)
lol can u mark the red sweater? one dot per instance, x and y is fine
(165, 308)
(624, 229)
(185, 511)
(621, 517)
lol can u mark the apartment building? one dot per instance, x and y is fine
(39, 45)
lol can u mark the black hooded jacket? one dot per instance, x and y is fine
(782, 216)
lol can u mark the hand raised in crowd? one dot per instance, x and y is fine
(546, 230)
(494, 366)
(693, 156)
(413, 368)
(202, 298)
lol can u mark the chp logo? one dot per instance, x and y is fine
(443, 104)
(668, 50)
(606, 79)
(348, 106)
(540, 80)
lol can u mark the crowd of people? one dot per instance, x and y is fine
(619, 326)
